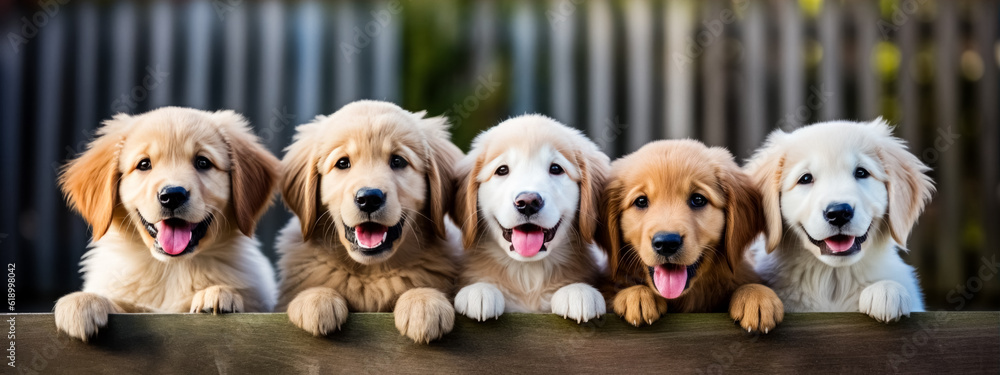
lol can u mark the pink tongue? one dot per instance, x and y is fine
(173, 239)
(670, 282)
(527, 243)
(370, 235)
(839, 243)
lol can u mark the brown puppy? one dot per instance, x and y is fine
(370, 186)
(173, 196)
(678, 217)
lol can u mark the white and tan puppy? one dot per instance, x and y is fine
(840, 199)
(528, 209)
(173, 196)
(370, 186)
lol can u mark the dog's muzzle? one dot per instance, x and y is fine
(373, 238)
(175, 237)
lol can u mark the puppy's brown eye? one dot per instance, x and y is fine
(556, 169)
(144, 165)
(861, 173)
(806, 179)
(202, 163)
(502, 171)
(343, 163)
(641, 202)
(397, 162)
(697, 201)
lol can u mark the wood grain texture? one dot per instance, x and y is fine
(967, 342)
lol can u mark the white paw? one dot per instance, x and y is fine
(886, 301)
(580, 302)
(480, 301)
(81, 314)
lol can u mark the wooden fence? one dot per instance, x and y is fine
(627, 72)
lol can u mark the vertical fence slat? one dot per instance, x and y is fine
(792, 67)
(199, 30)
(985, 15)
(387, 54)
(713, 75)
(639, 71)
(234, 58)
(754, 91)
(123, 33)
(347, 66)
(830, 27)
(948, 165)
(308, 61)
(869, 95)
(525, 55)
(11, 122)
(562, 62)
(679, 16)
(52, 46)
(86, 117)
(161, 50)
(600, 75)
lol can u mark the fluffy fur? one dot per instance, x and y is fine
(858, 164)
(126, 268)
(530, 154)
(682, 188)
(326, 271)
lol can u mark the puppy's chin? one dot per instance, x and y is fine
(372, 243)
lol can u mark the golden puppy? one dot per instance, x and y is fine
(528, 211)
(370, 186)
(678, 217)
(173, 196)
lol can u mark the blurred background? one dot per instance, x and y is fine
(626, 72)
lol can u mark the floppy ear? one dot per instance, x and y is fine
(90, 182)
(465, 211)
(909, 188)
(765, 169)
(442, 155)
(593, 166)
(745, 218)
(300, 180)
(253, 174)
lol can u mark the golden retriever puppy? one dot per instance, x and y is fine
(370, 186)
(840, 199)
(528, 210)
(173, 196)
(676, 221)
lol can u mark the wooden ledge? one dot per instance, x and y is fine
(954, 342)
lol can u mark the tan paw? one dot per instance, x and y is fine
(318, 310)
(756, 308)
(639, 305)
(424, 314)
(217, 299)
(81, 314)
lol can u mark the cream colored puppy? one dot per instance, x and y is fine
(840, 199)
(528, 208)
(173, 196)
(370, 186)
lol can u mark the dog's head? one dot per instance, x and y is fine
(673, 211)
(180, 178)
(530, 183)
(370, 174)
(840, 186)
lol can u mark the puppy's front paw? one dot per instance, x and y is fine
(579, 301)
(639, 305)
(480, 301)
(756, 308)
(318, 310)
(81, 314)
(217, 299)
(424, 314)
(886, 301)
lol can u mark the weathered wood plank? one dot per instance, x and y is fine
(967, 342)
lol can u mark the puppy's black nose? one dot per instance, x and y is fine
(369, 200)
(528, 203)
(838, 214)
(172, 197)
(667, 244)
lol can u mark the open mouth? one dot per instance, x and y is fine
(671, 280)
(371, 238)
(529, 239)
(840, 245)
(175, 236)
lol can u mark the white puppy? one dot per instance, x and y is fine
(528, 211)
(840, 198)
